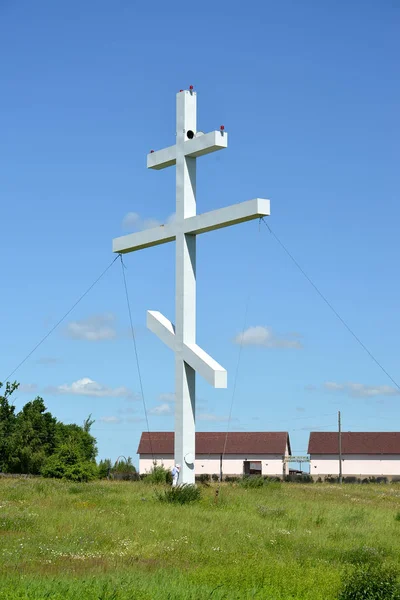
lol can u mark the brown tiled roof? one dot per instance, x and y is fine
(252, 442)
(355, 442)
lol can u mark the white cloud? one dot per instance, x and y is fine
(168, 397)
(331, 385)
(93, 329)
(264, 336)
(110, 419)
(130, 220)
(162, 410)
(151, 223)
(361, 390)
(134, 222)
(88, 387)
(28, 388)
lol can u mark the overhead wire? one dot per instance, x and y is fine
(236, 377)
(60, 321)
(235, 380)
(123, 268)
(289, 254)
(329, 304)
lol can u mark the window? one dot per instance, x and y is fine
(252, 467)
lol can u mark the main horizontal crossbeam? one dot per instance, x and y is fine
(209, 221)
(197, 146)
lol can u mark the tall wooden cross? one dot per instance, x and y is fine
(181, 337)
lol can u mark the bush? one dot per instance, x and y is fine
(77, 471)
(370, 582)
(252, 482)
(215, 477)
(84, 471)
(158, 474)
(381, 480)
(182, 494)
(69, 463)
(331, 479)
(203, 478)
(299, 478)
(231, 479)
(350, 479)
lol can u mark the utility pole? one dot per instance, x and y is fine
(340, 446)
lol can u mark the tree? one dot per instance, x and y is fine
(75, 454)
(79, 437)
(104, 468)
(87, 423)
(33, 438)
(34, 442)
(7, 423)
(124, 466)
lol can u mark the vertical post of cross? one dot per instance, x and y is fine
(185, 308)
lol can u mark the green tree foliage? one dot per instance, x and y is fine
(124, 469)
(34, 442)
(7, 423)
(33, 438)
(158, 474)
(87, 423)
(104, 468)
(68, 462)
(124, 466)
(77, 437)
(75, 455)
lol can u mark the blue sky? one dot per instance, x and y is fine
(309, 94)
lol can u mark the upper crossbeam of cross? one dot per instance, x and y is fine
(190, 144)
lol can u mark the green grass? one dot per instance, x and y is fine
(116, 541)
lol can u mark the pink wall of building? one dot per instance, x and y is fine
(358, 465)
(271, 464)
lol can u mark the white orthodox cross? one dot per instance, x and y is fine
(181, 338)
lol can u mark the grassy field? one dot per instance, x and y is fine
(116, 541)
